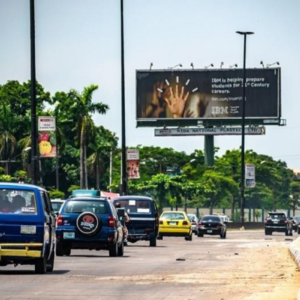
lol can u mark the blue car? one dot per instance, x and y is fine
(27, 227)
(89, 222)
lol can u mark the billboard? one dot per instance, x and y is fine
(250, 175)
(133, 164)
(177, 95)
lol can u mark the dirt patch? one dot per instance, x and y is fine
(264, 271)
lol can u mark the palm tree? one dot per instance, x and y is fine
(8, 141)
(82, 109)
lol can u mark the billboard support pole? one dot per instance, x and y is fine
(34, 157)
(209, 150)
(242, 202)
(123, 123)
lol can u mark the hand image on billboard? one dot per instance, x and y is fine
(157, 107)
(177, 102)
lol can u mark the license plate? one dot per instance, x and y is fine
(209, 231)
(25, 229)
(69, 235)
(172, 223)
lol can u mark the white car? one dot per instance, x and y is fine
(57, 204)
(194, 221)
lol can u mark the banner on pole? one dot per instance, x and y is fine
(250, 175)
(133, 164)
(47, 136)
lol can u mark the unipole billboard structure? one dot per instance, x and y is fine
(207, 97)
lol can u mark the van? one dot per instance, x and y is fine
(27, 227)
(144, 218)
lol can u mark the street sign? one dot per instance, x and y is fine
(250, 175)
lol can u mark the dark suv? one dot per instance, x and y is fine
(144, 218)
(89, 222)
(278, 222)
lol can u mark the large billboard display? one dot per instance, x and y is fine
(207, 94)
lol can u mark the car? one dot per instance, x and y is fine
(57, 204)
(27, 227)
(144, 218)
(194, 222)
(87, 221)
(175, 223)
(278, 222)
(296, 226)
(212, 225)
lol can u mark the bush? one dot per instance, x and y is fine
(56, 194)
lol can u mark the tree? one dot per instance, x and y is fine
(81, 110)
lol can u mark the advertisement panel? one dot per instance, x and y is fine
(207, 94)
(250, 175)
(133, 164)
(47, 136)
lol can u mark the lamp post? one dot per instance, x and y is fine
(123, 123)
(242, 203)
(34, 158)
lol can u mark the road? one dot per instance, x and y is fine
(247, 265)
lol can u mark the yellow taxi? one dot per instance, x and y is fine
(175, 223)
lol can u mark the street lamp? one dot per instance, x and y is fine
(242, 203)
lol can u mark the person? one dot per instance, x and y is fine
(5, 204)
(18, 203)
(127, 219)
(21, 179)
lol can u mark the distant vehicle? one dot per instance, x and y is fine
(175, 223)
(296, 225)
(143, 214)
(224, 218)
(194, 222)
(27, 227)
(89, 222)
(56, 204)
(212, 225)
(278, 222)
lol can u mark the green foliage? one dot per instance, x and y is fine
(7, 178)
(73, 187)
(56, 194)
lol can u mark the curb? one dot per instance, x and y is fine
(295, 252)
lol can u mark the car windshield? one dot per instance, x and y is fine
(211, 219)
(79, 206)
(137, 206)
(172, 216)
(277, 216)
(17, 201)
(192, 218)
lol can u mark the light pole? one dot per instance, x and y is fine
(34, 157)
(123, 123)
(244, 33)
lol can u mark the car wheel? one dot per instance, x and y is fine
(298, 230)
(40, 265)
(159, 237)
(50, 262)
(121, 249)
(200, 234)
(267, 232)
(113, 250)
(67, 251)
(291, 233)
(153, 242)
(224, 235)
(286, 232)
(59, 249)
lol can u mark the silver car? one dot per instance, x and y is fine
(194, 221)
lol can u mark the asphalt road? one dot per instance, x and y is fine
(205, 268)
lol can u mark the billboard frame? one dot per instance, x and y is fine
(184, 122)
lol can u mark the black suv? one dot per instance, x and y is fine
(88, 222)
(278, 222)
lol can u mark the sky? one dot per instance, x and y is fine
(78, 43)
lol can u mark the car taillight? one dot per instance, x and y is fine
(220, 224)
(266, 219)
(185, 223)
(193, 223)
(59, 221)
(285, 220)
(111, 221)
(200, 223)
(161, 222)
